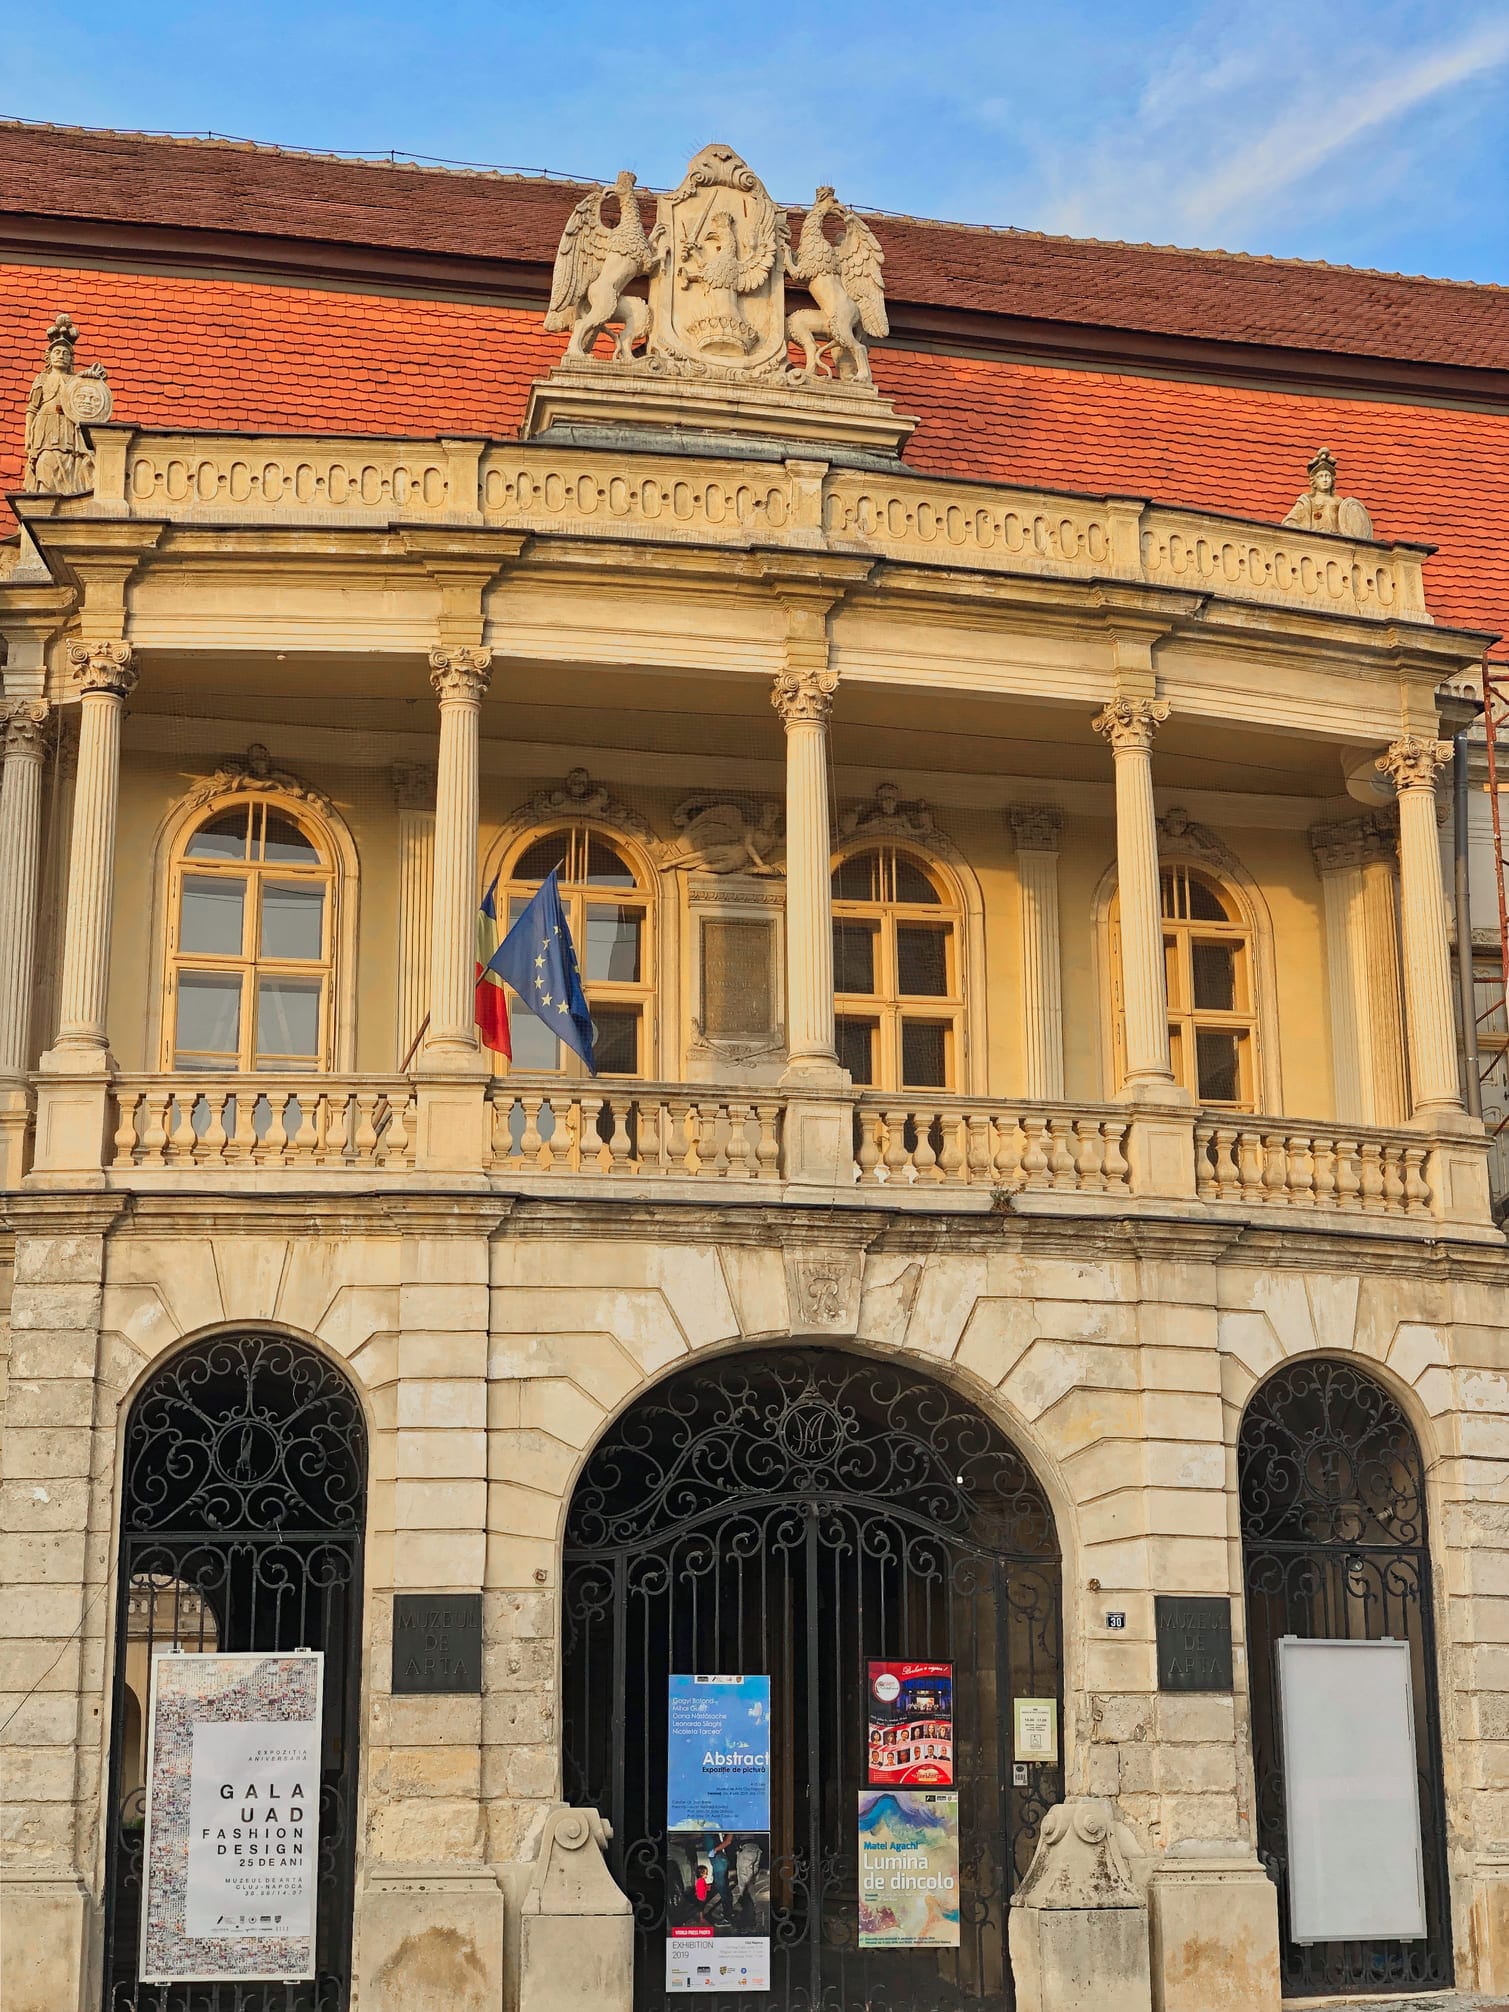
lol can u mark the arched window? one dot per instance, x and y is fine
(608, 906)
(251, 936)
(896, 972)
(1212, 996)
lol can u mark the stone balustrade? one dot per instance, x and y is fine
(1277, 1164)
(536, 486)
(282, 1123)
(646, 1129)
(908, 1150)
(946, 1142)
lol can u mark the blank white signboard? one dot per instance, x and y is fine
(1355, 1870)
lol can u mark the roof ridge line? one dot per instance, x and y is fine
(435, 164)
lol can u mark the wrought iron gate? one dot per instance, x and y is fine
(243, 1501)
(1334, 1547)
(796, 1516)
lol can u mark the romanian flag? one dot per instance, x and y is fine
(492, 1004)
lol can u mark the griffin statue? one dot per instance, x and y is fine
(844, 279)
(594, 268)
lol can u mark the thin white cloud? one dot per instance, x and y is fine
(1300, 141)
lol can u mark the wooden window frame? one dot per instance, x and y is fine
(576, 896)
(1185, 1019)
(887, 1006)
(250, 964)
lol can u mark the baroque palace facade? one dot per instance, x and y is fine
(1025, 1218)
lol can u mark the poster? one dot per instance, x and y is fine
(718, 1754)
(908, 1868)
(717, 1911)
(1034, 1726)
(231, 1848)
(911, 1725)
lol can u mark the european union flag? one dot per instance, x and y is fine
(537, 959)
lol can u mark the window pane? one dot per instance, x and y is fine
(1214, 968)
(534, 1046)
(1217, 1063)
(209, 1013)
(1205, 905)
(856, 1048)
(613, 942)
(538, 859)
(606, 865)
(922, 959)
(924, 1053)
(288, 1018)
(223, 837)
(615, 1040)
(857, 878)
(283, 842)
(854, 956)
(213, 906)
(293, 920)
(913, 885)
(737, 967)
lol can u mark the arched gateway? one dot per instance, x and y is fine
(796, 1516)
(243, 1502)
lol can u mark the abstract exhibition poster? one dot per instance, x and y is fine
(911, 1725)
(718, 1843)
(908, 1868)
(717, 1911)
(231, 1847)
(718, 1754)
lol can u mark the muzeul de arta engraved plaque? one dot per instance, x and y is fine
(230, 1854)
(721, 317)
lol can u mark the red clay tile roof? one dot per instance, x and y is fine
(135, 180)
(241, 356)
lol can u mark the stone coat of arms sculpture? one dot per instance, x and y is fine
(697, 311)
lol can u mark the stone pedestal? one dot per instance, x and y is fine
(571, 1932)
(431, 1939)
(1160, 1153)
(1079, 1927)
(1213, 1918)
(44, 1918)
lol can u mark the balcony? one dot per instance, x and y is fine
(685, 1142)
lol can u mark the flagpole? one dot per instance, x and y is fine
(424, 1028)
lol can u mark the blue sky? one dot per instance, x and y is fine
(1366, 132)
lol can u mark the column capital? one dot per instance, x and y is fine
(1130, 723)
(23, 729)
(462, 673)
(103, 667)
(1413, 762)
(804, 695)
(1352, 841)
(413, 785)
(1036, 827)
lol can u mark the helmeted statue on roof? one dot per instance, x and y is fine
(1321, 509)
(63, 402)
(844, 279)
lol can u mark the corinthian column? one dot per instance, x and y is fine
(804, 700)
(22, 735)
(1036, 828)
(105, 678)
(460, 677)
(1129, 725)
(1412, 764)
(1355, 860)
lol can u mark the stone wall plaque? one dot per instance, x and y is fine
(437, 1643)
(1194, 1642)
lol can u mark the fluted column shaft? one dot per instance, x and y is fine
(1355, 860)
(105, 677)
(804, 700)
(22, 733)
(460, 678)
(1036, 829)
(1129, 725)
(1413, 764)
